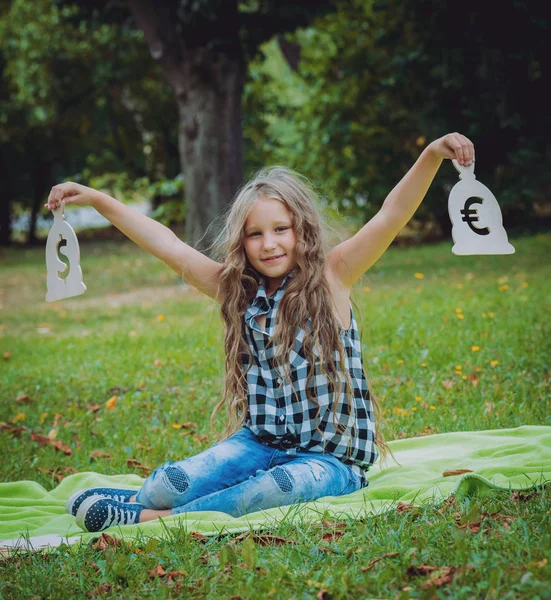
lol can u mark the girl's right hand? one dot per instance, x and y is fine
(71, 193)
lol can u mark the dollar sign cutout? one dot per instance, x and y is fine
(62, 240)
(477, 223)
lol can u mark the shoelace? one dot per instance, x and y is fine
(120, 516)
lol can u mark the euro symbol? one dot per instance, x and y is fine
(470, 215)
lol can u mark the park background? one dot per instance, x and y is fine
(169, 107)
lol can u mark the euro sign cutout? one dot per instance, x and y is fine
(477, 223)
(62, 239)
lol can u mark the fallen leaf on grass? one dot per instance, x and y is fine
(448, 384)
(158, 571)
(405, 507)
(98, 454)
(59, 445)
(57, 416)
(375, 560)
(473, 379)
(23, 399)
(450, 472)
(186, 425)
(202, 438)
(14, 430)
(111, 403)
(264, 539)
(104, 588)
(441, 575)
(45, 440)
(105, 541)
(450, 502)
(522, 496)
(132, 462)
(93, 407)
(57, 472)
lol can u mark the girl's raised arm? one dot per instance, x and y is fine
(196, 268)
(348, 261)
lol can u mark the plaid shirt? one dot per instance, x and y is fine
(281, 415)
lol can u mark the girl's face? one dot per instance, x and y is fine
(269, 240)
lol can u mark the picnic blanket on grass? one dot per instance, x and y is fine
(501, 459)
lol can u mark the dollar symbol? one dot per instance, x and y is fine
(470, 215)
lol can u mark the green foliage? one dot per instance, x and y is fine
(379, 80)
(169, 195)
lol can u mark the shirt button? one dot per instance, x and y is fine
(281, 419)
(279, 381)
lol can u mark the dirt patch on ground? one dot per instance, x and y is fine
(138, 296)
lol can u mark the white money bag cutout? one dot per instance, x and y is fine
(476, 217)
(72, 284)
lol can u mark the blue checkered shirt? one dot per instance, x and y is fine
(281, 415)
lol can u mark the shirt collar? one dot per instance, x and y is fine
(261, 299)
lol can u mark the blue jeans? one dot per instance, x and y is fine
(242, 475)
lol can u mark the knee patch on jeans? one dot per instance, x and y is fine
(177, 478)
(283, 478)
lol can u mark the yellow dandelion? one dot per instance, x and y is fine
(413, 408)
(458, 367)
(494, 363)
(43, 417)
(503, 288)
(111, 403)
(524, 284)
(458, 310)
(366, 289)
(399, 361)
(491, 315)
(419, 276)
(160, 317)
(19, 417)
(418, 398)
(475, 348)
(423, 364)
(176, 426)
(460, 316)
(464, 377)
(432, 407)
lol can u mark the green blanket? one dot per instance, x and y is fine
(506, 459)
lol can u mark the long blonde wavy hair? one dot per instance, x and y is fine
(307, 296)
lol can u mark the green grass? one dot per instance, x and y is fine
(142, 336)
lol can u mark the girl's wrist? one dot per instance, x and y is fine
(431, 153)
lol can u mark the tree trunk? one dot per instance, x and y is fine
(211, 145)
(208, 84)
(5, 201)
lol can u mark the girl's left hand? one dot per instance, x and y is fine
(453, 145)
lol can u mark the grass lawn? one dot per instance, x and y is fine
(450, 344)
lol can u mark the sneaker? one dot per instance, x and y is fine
(77, 499)
(97, 513)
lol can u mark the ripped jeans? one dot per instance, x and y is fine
(242, 475)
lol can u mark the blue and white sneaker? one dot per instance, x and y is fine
(97, 513)
(78, 498)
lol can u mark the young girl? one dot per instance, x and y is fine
(301, 420)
